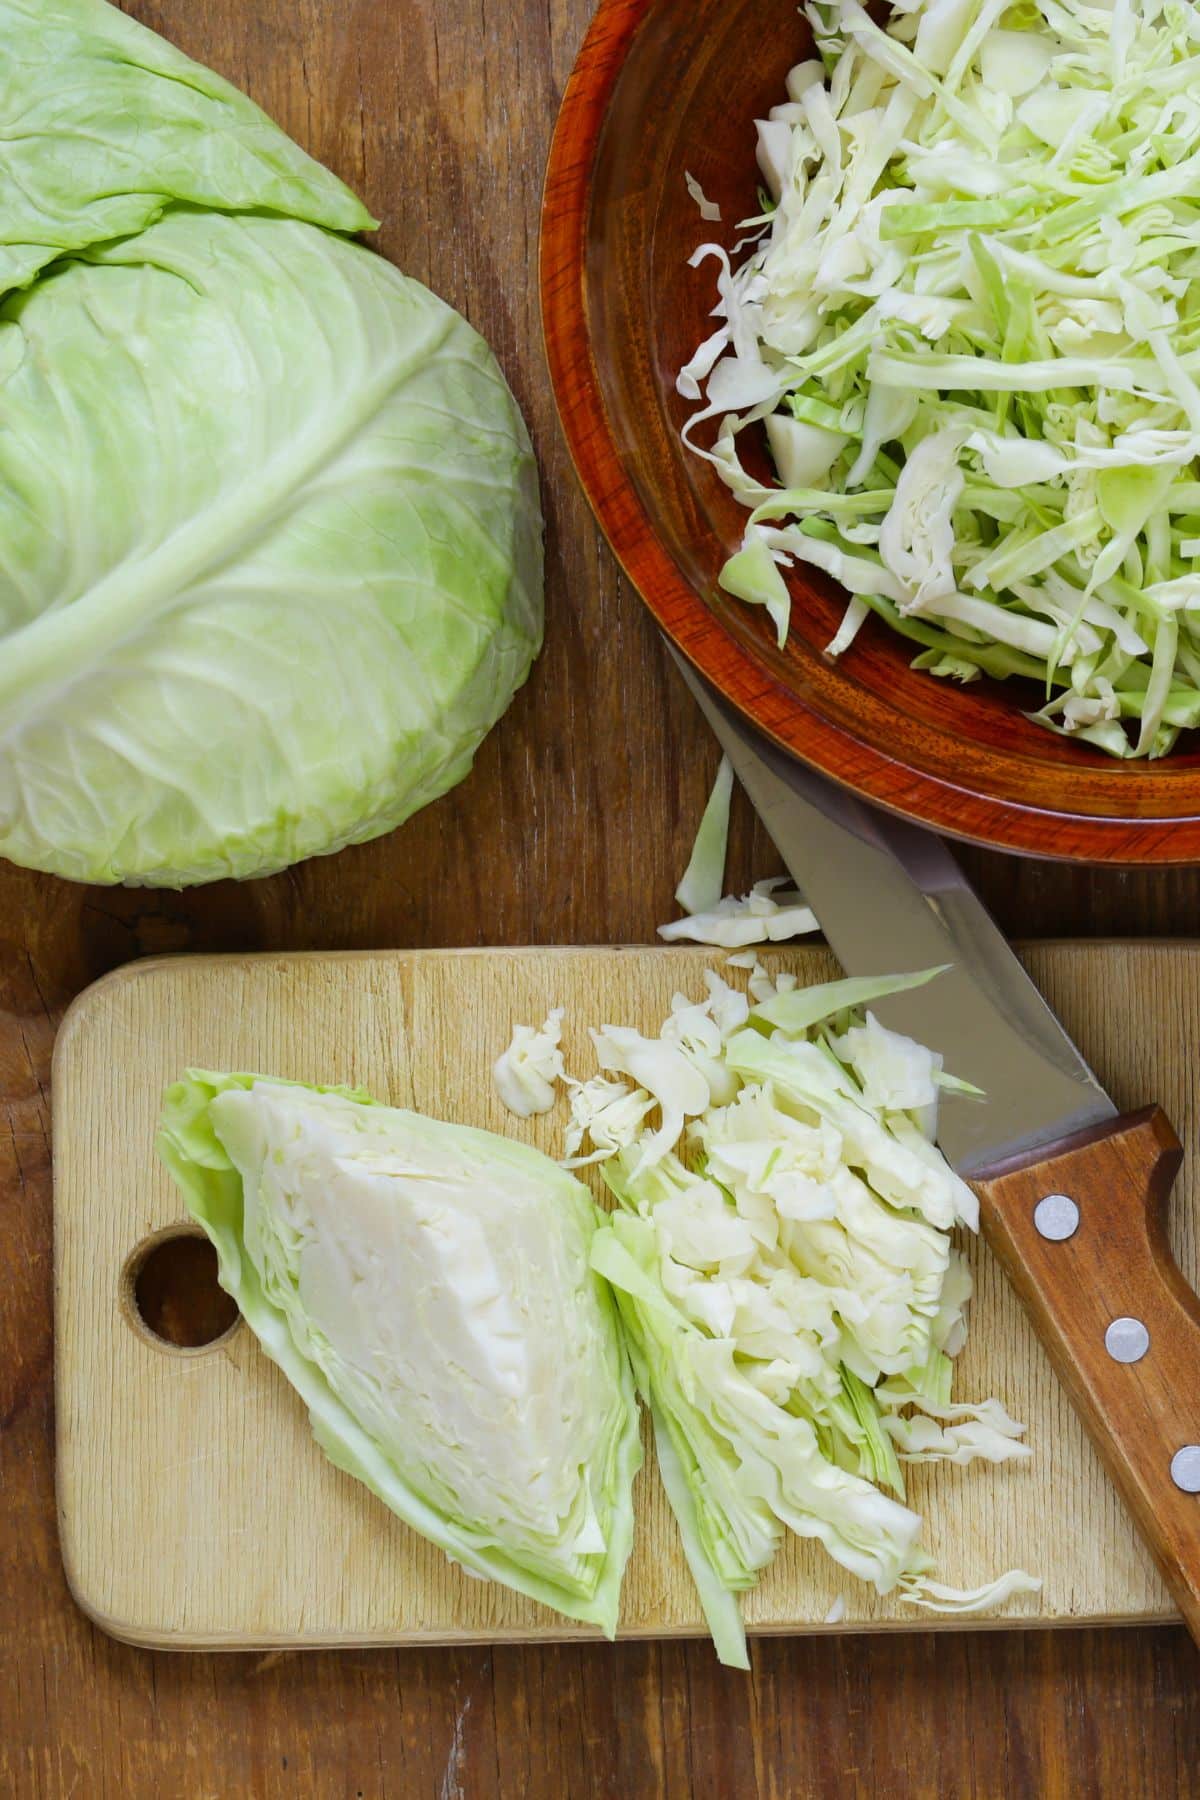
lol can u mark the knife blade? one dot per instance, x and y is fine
(1072, 1197)
(891, 898)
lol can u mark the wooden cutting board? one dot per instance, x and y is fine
(195, 1509)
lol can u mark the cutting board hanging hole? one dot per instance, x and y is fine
(170, 1295)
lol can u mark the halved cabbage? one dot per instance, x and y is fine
(426, 1289)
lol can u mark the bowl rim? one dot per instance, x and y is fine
(994, 821)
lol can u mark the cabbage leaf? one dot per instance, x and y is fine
(105, 124)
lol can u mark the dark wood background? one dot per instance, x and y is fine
(573, 828)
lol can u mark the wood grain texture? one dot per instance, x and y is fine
(1117, 1264)
(194, 1508)
(668, 87)
(573, 828)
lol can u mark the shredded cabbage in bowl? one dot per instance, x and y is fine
(968, 321)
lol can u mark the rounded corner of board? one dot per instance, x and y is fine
(125, 1631)
(82, 1008)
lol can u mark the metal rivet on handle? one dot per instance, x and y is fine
(1185, 1468)
(1127, 1340)
(1056, 1217)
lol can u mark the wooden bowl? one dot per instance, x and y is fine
(667, 86)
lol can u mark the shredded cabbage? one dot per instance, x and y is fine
(763, 916)
(788, 1286)
(707, 208)
(699, 889)
(968, 321)
(759, 917)
(526, 1072)
(610, 1113)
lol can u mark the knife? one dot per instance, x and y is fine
(1073, 1197)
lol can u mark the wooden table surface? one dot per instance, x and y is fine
(572, 828)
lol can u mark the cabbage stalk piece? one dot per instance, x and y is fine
(271, 540)
(966, 320)
(426, 1289)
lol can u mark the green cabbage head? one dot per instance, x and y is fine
(270, 540)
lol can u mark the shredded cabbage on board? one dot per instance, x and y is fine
(525, 1073)
(790, 1293)
(968, 321)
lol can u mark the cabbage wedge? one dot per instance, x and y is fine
(426, 1289)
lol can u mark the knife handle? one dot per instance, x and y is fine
(1088, 1290)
